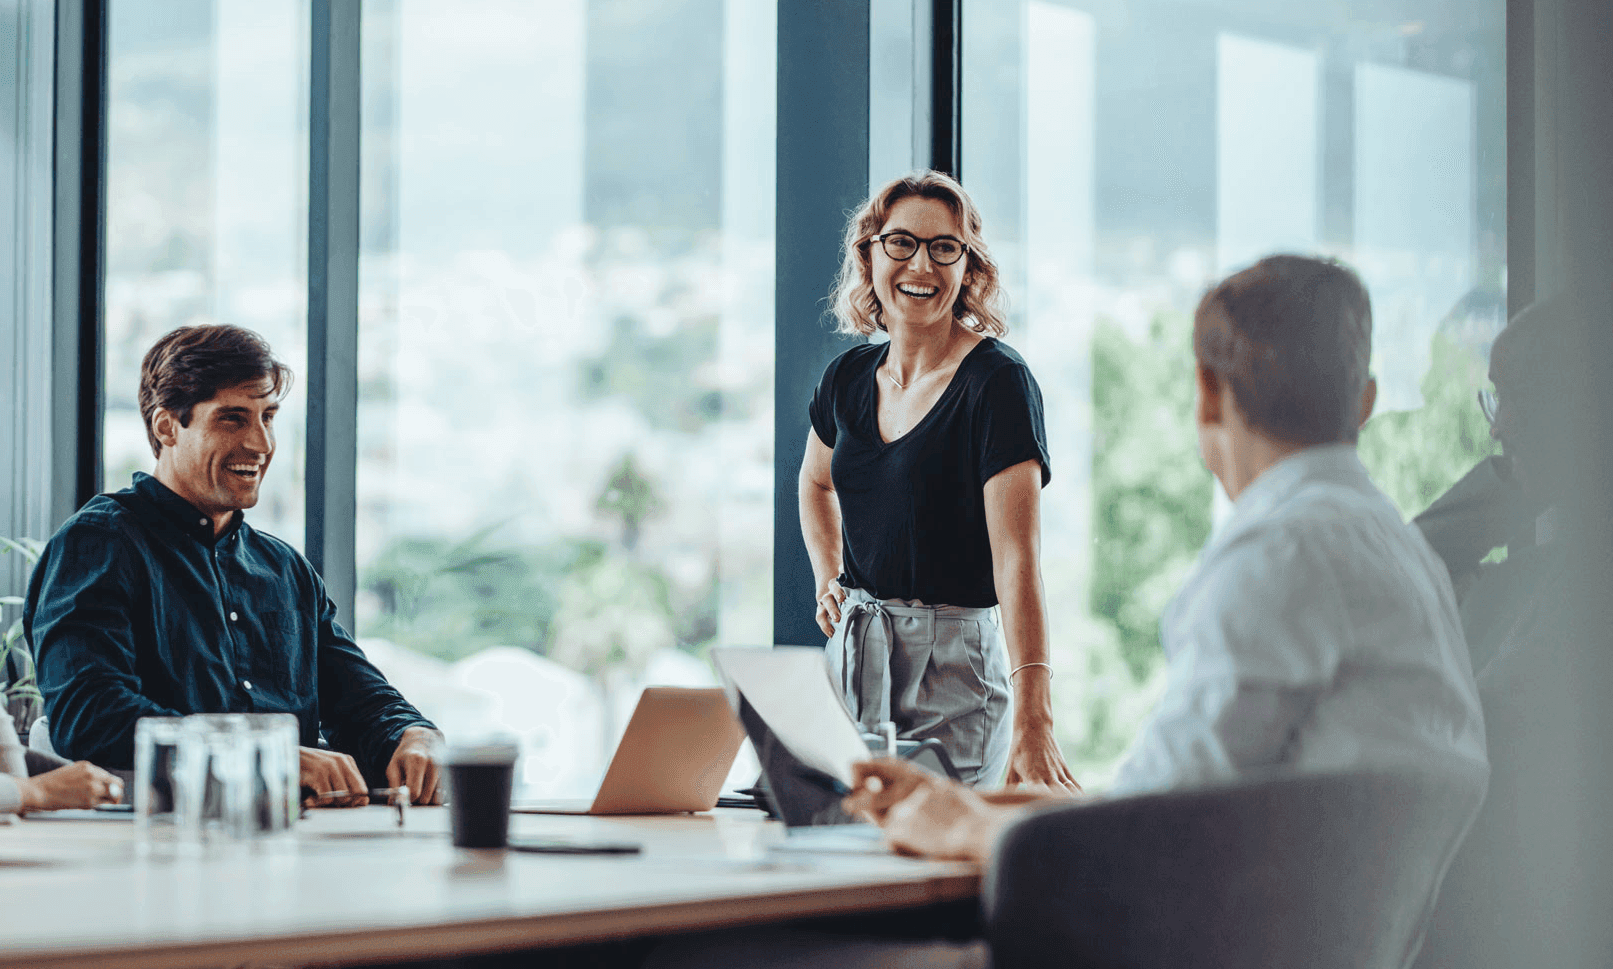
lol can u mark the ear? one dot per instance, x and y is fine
(1207, 409)
(166, 427)
(1369, 398)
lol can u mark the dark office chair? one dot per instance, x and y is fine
(1320, 871)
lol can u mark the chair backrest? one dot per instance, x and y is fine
(1316, 871)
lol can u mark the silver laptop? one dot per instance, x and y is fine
(674, 756)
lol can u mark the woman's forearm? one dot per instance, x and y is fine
(820, 530)
(1024, 615)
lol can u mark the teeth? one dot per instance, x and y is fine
(917, 290)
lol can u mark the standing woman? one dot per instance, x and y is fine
(920, 494)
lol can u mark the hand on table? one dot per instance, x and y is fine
(323, 771)
(414, 764)
(829, 599)
(80, 785)
(1036, 761)
(925, 814)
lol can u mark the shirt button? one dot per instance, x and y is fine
(234, 617)
(201, 521)
(247, 684)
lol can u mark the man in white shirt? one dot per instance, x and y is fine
(1318, 632)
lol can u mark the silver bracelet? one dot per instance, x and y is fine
(1026, 666)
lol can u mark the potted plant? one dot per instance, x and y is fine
(23, 701)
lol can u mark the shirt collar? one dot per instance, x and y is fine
(182, 513)
(1325, 462)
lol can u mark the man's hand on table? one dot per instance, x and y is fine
(924, 814)
(80, 785)
(414, 764)
(323, 771)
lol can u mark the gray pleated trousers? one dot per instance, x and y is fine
(935, 671)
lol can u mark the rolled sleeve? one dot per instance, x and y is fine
(10, 795)
(361, 713)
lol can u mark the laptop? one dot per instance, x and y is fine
(673, 757)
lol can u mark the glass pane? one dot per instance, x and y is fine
(566, 338)
(1158, 145)
(207, 210)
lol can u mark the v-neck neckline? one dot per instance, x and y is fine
(946, 392)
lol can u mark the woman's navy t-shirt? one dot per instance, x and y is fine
(913, 511)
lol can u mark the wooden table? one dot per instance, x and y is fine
(348, 886)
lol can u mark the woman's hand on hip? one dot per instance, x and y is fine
(829, 599)
(1036, 761)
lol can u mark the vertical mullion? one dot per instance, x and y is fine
(1520, 155)
(333, 239)
(822, 174)
(79, 227)
(946, 87)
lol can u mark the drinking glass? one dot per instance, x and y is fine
(217, 780)
(158, 779)
(273, 770)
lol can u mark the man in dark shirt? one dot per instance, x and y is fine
(160, 600)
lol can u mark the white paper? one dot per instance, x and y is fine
(790, 688)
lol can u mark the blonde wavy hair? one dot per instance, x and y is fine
(854, 305)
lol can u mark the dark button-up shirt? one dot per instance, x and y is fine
(137, 610)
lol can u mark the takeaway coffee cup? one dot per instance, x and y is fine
(479, 780)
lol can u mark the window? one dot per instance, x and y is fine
(206, 222)
(1124, 157)
(566, 377)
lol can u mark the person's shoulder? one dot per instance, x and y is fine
(858, 362)
(994, 369)
(993, 360)
(1350, 533)
(276, 549)
(100, 517)
(856, 358)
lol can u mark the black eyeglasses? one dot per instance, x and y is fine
(1489, 405)
(902, 246)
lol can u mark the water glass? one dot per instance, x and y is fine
(158, 781)
(273, 770)
(216, 778)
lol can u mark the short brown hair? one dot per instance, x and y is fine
(979, 306)
(1293, 337)
(192, 364)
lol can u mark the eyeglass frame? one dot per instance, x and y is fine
(1489, 405)
(921, 241)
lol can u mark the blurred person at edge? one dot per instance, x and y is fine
(1318, 631)
(65, 785)
(161, 600)
(1517, 892)
(920, 492)
(1510, 500)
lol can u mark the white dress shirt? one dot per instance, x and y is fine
(1317, 632)
(13, 764)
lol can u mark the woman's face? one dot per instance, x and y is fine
(918, 291)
